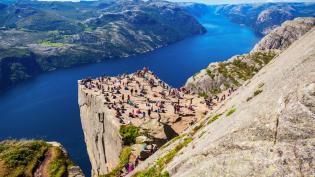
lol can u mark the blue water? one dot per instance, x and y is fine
(46, 107)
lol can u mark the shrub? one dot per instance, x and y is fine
(129, 133)
(210, 73)
(124, 159)
(203, 94)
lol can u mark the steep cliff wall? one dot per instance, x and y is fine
(101, 132)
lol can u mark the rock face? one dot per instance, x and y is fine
(283, 36)
(101, 132)
(220, 76)
(265, 129)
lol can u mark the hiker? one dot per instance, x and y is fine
(190, 108)
(174, 108)
(149, 112)
(159, 120)
(143, 114)
(223, 97)
(130, 167)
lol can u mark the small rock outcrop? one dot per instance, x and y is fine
(266, 128)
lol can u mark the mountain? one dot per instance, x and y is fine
(283, 36)
(42, 36)
(221, 76)
(263, 18)
(265, 128)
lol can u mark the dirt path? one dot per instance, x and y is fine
(42, 170)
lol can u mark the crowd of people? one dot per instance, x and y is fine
(142, 96)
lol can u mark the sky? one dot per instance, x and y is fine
(222, 1)
(239, 1)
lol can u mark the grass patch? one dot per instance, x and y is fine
(230, 112)
(257, 92)
(215, 91)
(209, 72)
(172, 141)
(60, 163)
(201, 134)
(262, 58)
(214, 118)
(52, 44)
(129, 133)
(157, 169)
(21, 157)
(124, 159)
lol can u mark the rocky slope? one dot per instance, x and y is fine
(263, 18)
(64, 34)
(265, 128)
(282, 37)
(33, 158)
(221, 76)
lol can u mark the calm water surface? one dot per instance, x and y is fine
(46, 106)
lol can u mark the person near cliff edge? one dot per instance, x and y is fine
(130, 167)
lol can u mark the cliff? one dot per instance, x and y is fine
(125, 119)
(32, 158)
(220, 76)
(266, 128)
(101, 132)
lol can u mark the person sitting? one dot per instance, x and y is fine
(190, 108)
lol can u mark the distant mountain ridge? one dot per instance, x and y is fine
(52, 35)
(263, 18)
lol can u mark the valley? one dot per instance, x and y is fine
(45, 107)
